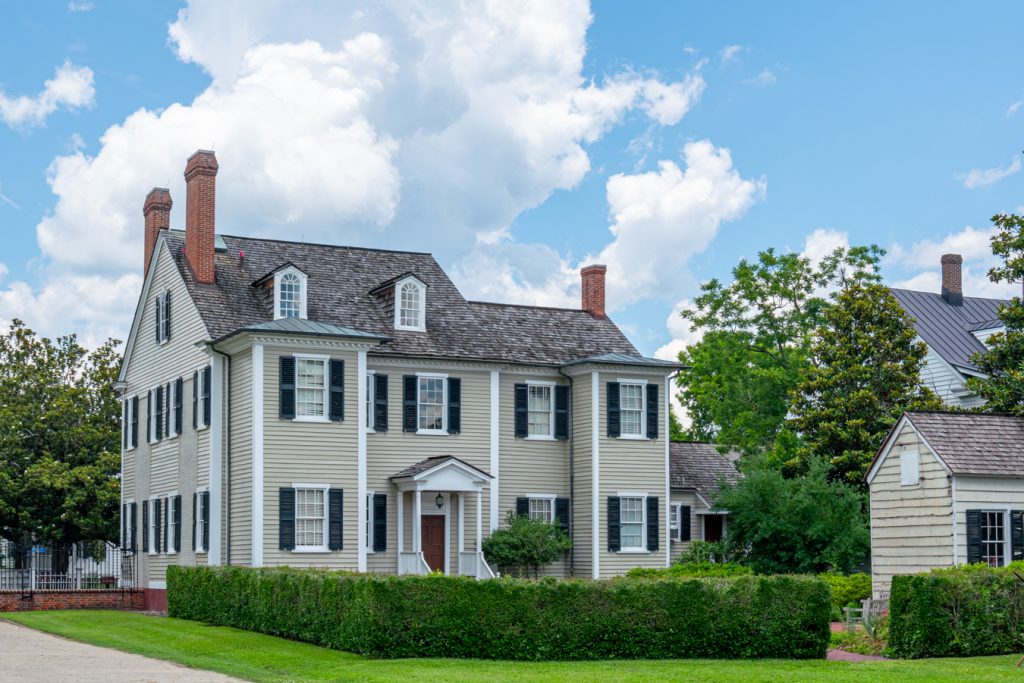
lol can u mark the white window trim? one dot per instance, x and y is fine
(550, 436)
(327, 519)
(126, 417)
(443, 431)
(151, 527)
(676, 508)
(638, 550)
(917, 462)
(171, 550)
(326, 417)
(368, 530)
(197, 523)
(200, 400)
(1007, 531)
(543, 496)
(151, 416)
(303, 279)
(171, 387)
(371, 397)
(161, 310)
(422, 289)
(642, 436)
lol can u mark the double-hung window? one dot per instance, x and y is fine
(162, 308)
(370, 399)
(310, 519)
(173, 519)
(631, 405)
(540, 411)
(431, 399)
(542, 508)
(200, 521)
(131, 423)
(368, 537)
(673, 522)
(153, 532)
(155, 407)
(310, 388)
(632, 523)
(993, 538)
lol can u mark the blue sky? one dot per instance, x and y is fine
(510, 141)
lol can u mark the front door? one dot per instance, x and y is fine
(432, 533)
(712, 527)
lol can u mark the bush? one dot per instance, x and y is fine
(708, 551)
(848, 590)
(525, 544)
(445, 616)
(961, 611)
(691, 570)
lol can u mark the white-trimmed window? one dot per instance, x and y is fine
(197, 523)
(910, 468)
(631, 409)
(632, 523)
(200, 397)
(540, 401)
(432, 401)
(410, 305)
(173, 512)
(369, 399)
(153, 416)
(171, 409)
(310, 519)
(541, 507)
(368, 535)
(163, 316)
(311, 388)
(154, 505)
(290, 294)
(129, 423)
(674, 516)
(993, 538)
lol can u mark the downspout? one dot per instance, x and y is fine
(227, 432)
(572, 480)
(956, 549)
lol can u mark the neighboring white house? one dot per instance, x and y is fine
(955, 327)
(946, 488)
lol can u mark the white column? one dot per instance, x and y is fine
(416, 524)
(462, 522)
(595, 473)
(401, 521)
(216, 462)
(361, 510)
(479, 520)
(495, 433)
(257, 455)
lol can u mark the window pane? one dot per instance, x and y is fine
(291, 292)
(993, 538)
(539, 410)
(631, 403)
(369, 401)
(540, 508)
(431, 403)
(409, 311)
(631, 522)
(309, 517)
(309, 393)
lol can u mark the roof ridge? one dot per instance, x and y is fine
(918, 291)
(543, 308)
(967, 413)
(324, 244)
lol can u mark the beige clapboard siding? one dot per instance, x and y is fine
(583, 458)
(923, 514)
(631, 465)
(984, 493)
(947, 383)
(529, 465)
(241, 458)
(308, 453)
(696, 507)
(392, 451)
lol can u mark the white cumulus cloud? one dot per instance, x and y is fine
(980, 177)
(763, 79)
(71, 87)
(730, 53)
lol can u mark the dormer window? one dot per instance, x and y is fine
(410, 305)
(289, 293)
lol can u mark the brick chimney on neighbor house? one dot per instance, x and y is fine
(952, 279)
(201, 192)
(593, 289)
(157, 215)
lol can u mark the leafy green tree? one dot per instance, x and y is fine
(865, 373)
(675, 429)
(525, 544)
(804, 524)
(1003, 360)
(757, 340)
(59, 436)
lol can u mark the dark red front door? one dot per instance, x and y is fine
(432, 529)
(712, 527)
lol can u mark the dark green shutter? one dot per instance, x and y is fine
(179, 388)
(168, 409)
(167, 315)
(195, 400)
(522, 404)
(177, 523)
(133, 521)
(973, 536)
(206, 520)
(150, 407)
(684, 523)
(124, 525)
(207, 383)
(286, 518)
(1017, 534)
(145, 526)
(335, 519)
(562, 513)
(409, 404)
(135, 421)
(653, 525)
(561, 412)
(614, 536)
(380, 522)
(454, 405)
(159, 413)
(653, 410)
(337, 398)
(522, 506)
(286, 387)
(195, 519)
(158, 509)
(380, 403)
(614, 421)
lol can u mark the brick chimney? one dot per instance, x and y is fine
(952, 279)
(157, 216)
(593, 289)
(201, 183)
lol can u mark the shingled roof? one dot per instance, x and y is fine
(699, 466)
(340, 283)
(948, 329)
(973, 443)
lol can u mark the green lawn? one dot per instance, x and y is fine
(263, 658)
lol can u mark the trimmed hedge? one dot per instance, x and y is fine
(848, 590)
(445, 616)
(962, 611)
(689, 570)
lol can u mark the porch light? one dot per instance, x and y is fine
(440, 501)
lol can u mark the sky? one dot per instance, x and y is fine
(515, 140)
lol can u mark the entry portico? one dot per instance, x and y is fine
(450, 479)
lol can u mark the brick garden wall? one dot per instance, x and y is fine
(16, 601)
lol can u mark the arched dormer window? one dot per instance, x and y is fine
(290, 294)
(410, 305)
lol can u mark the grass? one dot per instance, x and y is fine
(263, 658)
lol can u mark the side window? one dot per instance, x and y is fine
(162, 311)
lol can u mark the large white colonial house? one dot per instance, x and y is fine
(312, 405)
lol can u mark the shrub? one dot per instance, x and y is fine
(525, 544)
(445, 616)
(708, 551)
(848, 590)
(691, 570)
(956, 612)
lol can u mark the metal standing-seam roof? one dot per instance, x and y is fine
(698, 465)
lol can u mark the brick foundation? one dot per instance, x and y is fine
(154, 599)
(16, 601)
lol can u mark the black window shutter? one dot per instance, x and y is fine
(157, 315)
(132, 543)
(653, 409)
(522, 506)
(124, 525)
(207, 373)
(159, 413)
(168, 409)
(195, 519)
(337, 398)
(286, 518)
(150, 407)
(177, 523)
(614, 537)
(522, 411)
(562, 513)
(145, 526)
(167, 315)
(206, 520)
(179, 387)
(684, 523)
(561, 412)
(653, 515)
(135, 421)
(409, 386)
(973, 536)
(335, 518)
(286, 383)
(195, 400)
(1017, 534)
(614, 424)
(380, 522)
(454, 405)
(158, 508)
(380, 403)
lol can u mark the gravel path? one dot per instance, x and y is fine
(29, 655)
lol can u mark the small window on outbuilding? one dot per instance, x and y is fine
(910, 468)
